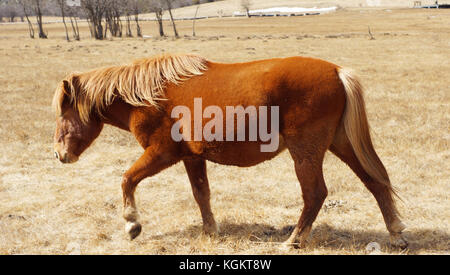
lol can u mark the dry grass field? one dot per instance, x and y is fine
(50, 208)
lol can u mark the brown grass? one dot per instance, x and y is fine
(47, 207)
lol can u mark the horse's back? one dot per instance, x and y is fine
(258, 83)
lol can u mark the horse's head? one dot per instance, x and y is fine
(72, 135)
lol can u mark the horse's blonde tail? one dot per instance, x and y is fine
(357, 128)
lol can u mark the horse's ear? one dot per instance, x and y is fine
(64, 95)
(69, 90)
(66, 89)
(69, 84)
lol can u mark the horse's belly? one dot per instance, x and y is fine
(242, 154)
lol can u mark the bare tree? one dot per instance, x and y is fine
(38, 12)
(195, 17)
(156, 7)
(128, 19)
(137, 7)
(25, 8)
(75, 29)
(26, 4)
(246, 4)
(169, 4)
(95, 9)
(62, 7)
(74, 12)
(113, 13)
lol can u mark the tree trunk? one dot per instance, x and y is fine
(138, 28)
(76, 32)
(91, 28)
(129, 33)
(64, 21)
(173, 23)
(98, 31)
(42, 34)
(247, 10)
(109, 23)
(98, 28)
(158, 15)
(106, 30)
(119, 26)
(30, 26)
(193, 22)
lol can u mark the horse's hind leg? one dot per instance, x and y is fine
(196, 170)
(308, 150)
(314, 192)
(342, 148)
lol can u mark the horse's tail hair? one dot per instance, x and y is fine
(357, 128)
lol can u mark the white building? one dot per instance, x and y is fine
(73, 3)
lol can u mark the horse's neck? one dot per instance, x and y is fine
(118, 114)
(141, 121)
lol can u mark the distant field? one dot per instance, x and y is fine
(47, 207)
(227, 7)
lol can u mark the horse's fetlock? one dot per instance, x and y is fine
(130, 214)
(397, 226)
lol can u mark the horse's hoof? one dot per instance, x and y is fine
(289, 245)
(398, 241)
(286, 246)
(133, 229)
(211, 230)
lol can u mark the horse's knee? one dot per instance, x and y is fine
(127, 184)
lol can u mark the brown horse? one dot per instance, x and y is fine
(320, 105)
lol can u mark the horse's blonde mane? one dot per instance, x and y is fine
(140, 83)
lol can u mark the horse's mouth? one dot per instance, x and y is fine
(66, 158)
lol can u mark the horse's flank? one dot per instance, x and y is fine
(140, 83)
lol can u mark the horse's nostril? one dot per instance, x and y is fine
(56, 155)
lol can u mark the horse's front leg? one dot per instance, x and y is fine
(154, 159)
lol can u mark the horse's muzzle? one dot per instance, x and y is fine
(66, 157)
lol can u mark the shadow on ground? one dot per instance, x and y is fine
(325, 236)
